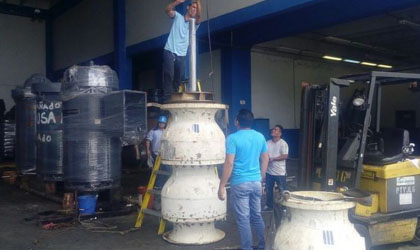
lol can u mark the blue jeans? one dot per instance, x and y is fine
(269, 181)
(246, 199)
(173, 72)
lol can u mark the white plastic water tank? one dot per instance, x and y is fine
(192, 145)
(317, 222)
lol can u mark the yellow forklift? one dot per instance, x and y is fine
(344, 148)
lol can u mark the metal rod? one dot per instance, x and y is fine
(192, 86)
(378, 108)
(366, 124)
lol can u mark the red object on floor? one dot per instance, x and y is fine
(142, 190)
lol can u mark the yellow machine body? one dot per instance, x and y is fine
(394, 188)
(393, 231)
(396, 185)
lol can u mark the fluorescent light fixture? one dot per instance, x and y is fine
(368, 63)
(332, 58)
(385, 66)
(351, 61)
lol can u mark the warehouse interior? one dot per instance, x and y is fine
(251, 54)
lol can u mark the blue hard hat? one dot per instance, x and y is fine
(163, 119)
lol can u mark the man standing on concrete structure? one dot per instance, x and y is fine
(174, 54)
(245, 164)
(278, 151)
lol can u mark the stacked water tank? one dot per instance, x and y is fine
(97, 120)
(7, 134)
(7, 139)
(26, 125)
(74, 131)
(49, 123)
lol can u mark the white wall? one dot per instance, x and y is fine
(84, 32)
(22, 52)
(147, 19)
(276, 84)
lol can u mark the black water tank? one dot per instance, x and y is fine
(26, 125)
(7, 135)
(91, 153)
(49, 131)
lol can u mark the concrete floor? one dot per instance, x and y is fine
(19, 229)
(17, 232)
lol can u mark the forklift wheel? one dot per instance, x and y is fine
(416, 239)
(364, 232)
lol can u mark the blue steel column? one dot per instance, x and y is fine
(236, 81)
(121, 61)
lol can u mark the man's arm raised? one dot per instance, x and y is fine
(198, 11)
(169, 9)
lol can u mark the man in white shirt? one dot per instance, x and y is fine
(278, 151)
(153, 140)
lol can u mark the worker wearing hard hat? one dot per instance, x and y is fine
(153, 139)
(175, 51)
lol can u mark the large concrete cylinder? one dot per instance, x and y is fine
(192, 145)
(49, 123)
(323, 222)
(91, 153)
(26, 125)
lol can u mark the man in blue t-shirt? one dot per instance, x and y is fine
(245, 164)
(174, 54)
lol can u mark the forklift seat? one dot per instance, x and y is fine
(386, 147)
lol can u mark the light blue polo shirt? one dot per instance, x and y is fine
(179, 40)
(247, 145)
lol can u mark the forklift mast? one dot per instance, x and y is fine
(331, 156)
(319, 141)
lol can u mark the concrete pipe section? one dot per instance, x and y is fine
(192, 145)
(317, 221)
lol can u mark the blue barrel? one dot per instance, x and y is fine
(87, 204)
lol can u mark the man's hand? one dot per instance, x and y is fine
(221, 193)
(148, 153)
(263, 164)
(227, 171)
(170, 8)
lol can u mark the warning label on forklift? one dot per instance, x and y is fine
(402, 193)
(406, 199)
(406, 181)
